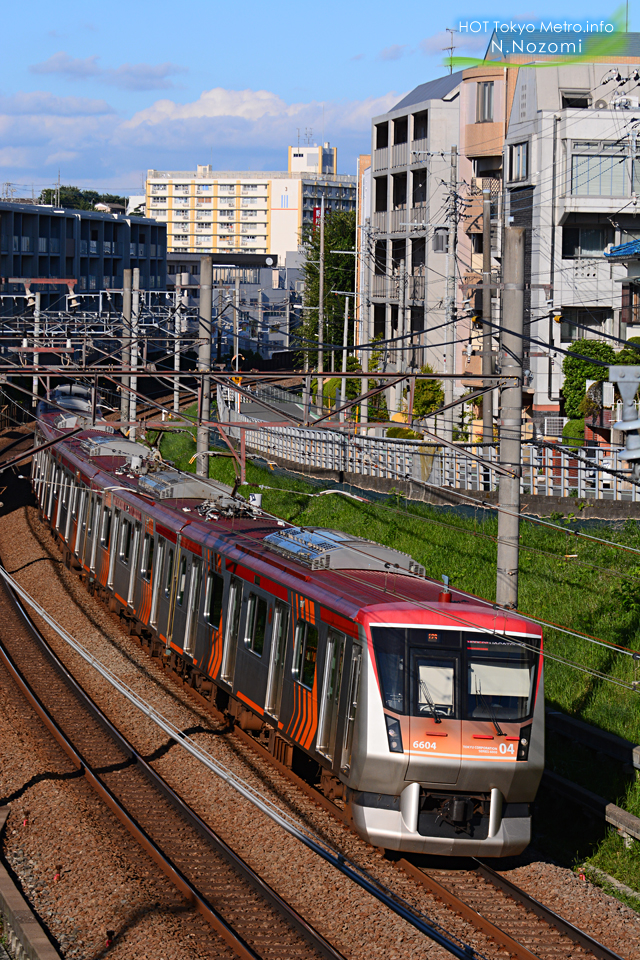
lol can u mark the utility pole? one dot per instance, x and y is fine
(126, 340)
(450, 329)
(204, 363)
(345, 338)
(135, 317)
(320, 398)
(36, 336)
(511, 419)
(236, 339)
(365, 340)
(487, 400)
(401, 362)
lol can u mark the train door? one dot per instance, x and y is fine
(193, 607)
(112, 555)
(133, 563)
(158, 567)
(88, 534)
(178, 614)
(71, 513)
(330, 696)
(273, 700)
(82, 521)
(352, 671)
(234, 608)
(435, 728)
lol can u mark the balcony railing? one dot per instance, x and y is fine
(381, 158)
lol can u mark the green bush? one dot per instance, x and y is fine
(404, 433)
(573, 433)
(577, 371)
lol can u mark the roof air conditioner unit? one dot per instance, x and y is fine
(601, 105)
(625, 103)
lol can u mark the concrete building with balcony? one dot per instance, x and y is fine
(407, 239)
(571, 175)
(91, 247)
(253, 212)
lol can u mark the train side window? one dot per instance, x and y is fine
(234, 608)
(213, 598)
(169, 574)
(106, 529)
(182, 581)
(125, 541)
(256, 627)
(146, 563)
(93, 506)
(306, 649)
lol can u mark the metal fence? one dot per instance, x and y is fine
(545, 471)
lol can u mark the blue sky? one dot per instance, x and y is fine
(105, 91)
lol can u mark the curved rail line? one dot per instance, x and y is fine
(523, 925)
(248, 915)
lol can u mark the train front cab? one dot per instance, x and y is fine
(450, 741)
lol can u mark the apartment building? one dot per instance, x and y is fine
(90, 246)
(407, 240)
(572, 174)
(252, 212)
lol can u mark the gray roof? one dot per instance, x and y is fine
(433, 90)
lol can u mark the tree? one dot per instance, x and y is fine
(577, 371)
(628, 355)
(428, 395)
(73, 198)
(339, 234)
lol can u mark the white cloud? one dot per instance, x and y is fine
(128, 76)
(233, 129)
(394, 52)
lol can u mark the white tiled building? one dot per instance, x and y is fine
(210, 211)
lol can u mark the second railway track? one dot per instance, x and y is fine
(488, 918)
(251, 920)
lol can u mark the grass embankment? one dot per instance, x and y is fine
(580, 592)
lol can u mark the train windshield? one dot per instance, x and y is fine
(453, 674)
(500, 678)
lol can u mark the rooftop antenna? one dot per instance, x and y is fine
(452, 46)
(308, 134)
(298, 130)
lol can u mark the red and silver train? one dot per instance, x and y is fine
(422, 708)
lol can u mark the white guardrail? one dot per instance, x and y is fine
(545, 472)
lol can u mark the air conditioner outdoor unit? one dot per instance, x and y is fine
(601, 105)
(625, 103)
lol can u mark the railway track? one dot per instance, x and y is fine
(250, 919)
(487, 902)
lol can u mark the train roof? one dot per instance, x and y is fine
(361, 579)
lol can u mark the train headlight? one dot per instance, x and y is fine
(394, 734)
(523, 744)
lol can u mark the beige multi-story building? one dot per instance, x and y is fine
(212, 211)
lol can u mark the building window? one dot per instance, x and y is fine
(381, 194)
(400, 130)
(518, 161)
(440, 241)
(600, 170)
(586, 317)
(585, 243)
(576, 101)
(382, 135)
(420, 125)
(484, 102)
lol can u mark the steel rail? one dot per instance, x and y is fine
(545, 913)
(175, 875)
